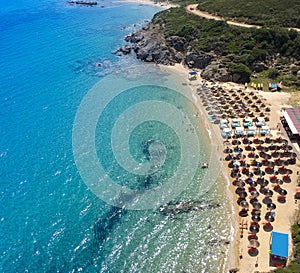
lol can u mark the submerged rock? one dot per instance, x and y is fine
(83, 3)
(186, 206)
(216, 242)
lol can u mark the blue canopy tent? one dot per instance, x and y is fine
(193, 75)
(279, 249)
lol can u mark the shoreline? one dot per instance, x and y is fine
(284, 218)
(231, 258)
(161, 4)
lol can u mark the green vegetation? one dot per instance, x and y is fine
(294, 266)
(236, 46)
(265, 13)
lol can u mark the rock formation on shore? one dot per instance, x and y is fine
(219, 51)
(150, 45)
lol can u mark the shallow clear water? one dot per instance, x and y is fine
(51, 56)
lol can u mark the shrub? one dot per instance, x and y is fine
(273, 73)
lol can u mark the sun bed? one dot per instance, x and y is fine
(265, 130)
(247, 122)
(239, 131)
(260, 122)
(226, 133)
(235, 123)
(251, 131)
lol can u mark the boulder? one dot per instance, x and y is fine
(259, 67)
(124, 50)
(197, 60)
(216, 71)
(176, 42)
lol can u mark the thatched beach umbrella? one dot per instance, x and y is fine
(286, 162)
(228, 150)
(249, 148)
(264, 149)
(282, 192)
(253, 184)
(235, 174)
(282, 170)
(279, 162)
(273, 178)
(287, 147)
(245, 170)
(252, 155)
(286, 178)
(264, 183)
(277, 188)
(258, 172)
(236, 142)
(285, 154)
(255, 193)
(279, 181)
(275, 154)
(243, 194)
(255, 218)
(279, 140)
(238, 183)
(239, 190)
(244, 204)
(271, 206)
(254, 243)
(254, 229)
(271, 164)
(265, 162)
(269, 218)
(258, 141)
(269, 170)
(256, 163)
(268, 193)
(228, 157)
(256, 205)
(246, 140)
(269, 140)
(274, 147)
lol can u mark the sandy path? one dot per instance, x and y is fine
(193, 9)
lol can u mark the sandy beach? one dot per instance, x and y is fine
(238, 255)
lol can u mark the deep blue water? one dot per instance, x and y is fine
(50, 221)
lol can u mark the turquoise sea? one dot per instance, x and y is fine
(53, 219)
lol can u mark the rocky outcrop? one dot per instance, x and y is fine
(124, 50)
(219, 72)
(151, 46)
(198, 60)
(259, 67)
(216, 71)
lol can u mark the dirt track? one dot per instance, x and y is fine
(193, 9)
